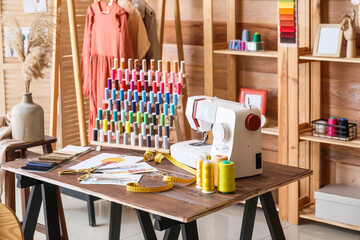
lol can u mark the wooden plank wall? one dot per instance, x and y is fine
(11, 81)
(340, 97)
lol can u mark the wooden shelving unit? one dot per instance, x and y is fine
(266, 54)
(270, 130)
(310, 57)
(309, 214)
(353, 143)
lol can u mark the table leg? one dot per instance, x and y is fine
(91, 210)
(47, 148)
(189, 231)
(146, 225)
(248, 219)
(272, 217)
(10, 190)
(32, 212)
(52, 225)
(25, 193)
(172, 233)
(115, 221)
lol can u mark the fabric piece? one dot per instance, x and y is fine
(140, 6)
(5, 142)
(287, 23)
(137, 30)
(286, 10)
(106, 37)
(287, 40)
(150, 24)
(287, 29)
(287, 17)
(286, 4)
(287, 35)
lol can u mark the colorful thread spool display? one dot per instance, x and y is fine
(226, 177)
(208, 185)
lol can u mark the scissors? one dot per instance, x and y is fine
(87, 171)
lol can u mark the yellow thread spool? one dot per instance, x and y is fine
(208, 177)
(216, 160)
(226, 177)
(128, 127)
(105, 125)
(116, 63)
(199, 172)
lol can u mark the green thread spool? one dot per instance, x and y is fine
(120, 127)
(146, 118)
(153, 118)
(256, 37)
(123, 116)
(162, 120)
(152, 132)
(226, 177)
(97, 123)
(107, 115)
(112, 126)
(171, 120)
(138, 117)
(131, 117)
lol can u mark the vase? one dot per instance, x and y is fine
(27, 120)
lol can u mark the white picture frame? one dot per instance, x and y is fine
(328, 40)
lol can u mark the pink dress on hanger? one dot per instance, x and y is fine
(106, 37)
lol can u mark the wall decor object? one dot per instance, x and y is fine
(287, 22)
(34, 6)
(328, 40)
(348, 26)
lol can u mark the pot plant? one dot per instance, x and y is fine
(27, 118)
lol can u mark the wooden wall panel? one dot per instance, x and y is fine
(12, 83)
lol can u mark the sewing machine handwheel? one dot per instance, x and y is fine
(252, 122)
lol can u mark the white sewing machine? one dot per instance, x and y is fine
(236, 130)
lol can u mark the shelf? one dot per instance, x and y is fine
(267, 54)
(353, 143)
(309, 213)
(329, 59)
(271, 130)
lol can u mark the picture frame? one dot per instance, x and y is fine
(257, 97)
(328, 40)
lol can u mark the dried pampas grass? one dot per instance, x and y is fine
(40, 45)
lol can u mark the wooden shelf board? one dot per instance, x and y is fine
(271, 130)
(309, 213)
(353, 143)
(330, 59)
(268, 54)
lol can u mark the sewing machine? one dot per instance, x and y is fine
(236, 130)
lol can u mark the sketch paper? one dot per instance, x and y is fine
(113, 179)
(130, 169)
(34, 6)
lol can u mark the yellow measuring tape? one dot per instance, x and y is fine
(149, 156)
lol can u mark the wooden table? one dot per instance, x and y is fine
(173, 210)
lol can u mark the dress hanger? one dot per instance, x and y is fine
(107, 6)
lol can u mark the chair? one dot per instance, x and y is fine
(10, 227)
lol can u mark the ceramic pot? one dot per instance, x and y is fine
(27, 120)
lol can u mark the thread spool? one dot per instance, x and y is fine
(136, 128)
(136, 96)
(110, 104)
(132, 85)
(166, 142)
(152, 65)
(170, 88)
(143, 93)
(127, 77)
(167, 98)
(130, 63)
(175, 99)
(105, 125)
(113, 94)
(162, 88)
(102, 136)
(123, 116)
(159, 98)
(167, 131)
(143, 128)
(181, 78)
(109, 84)
(150, 79)
(141, 139)
(133, 76)
(152, 97)
(122, 65)
(171, 120)
(129, 95)
(152, 132)
(108, 115)
(119, 74)
(168, 66)
(154, 87)
(159, 65)
(178, 88)
(113, 73)
(118, 105)
(138, 118)
(112, 126)
(100, 114)
(149, 107)
(157, 108)
(128, 127)
(331, 129)
(136, 64)
(131, 117)
(256, 37)
(162, 119)
(133, 106)
(199, 169)
(208, 177)
(159, 130)
(146, 86)
(148, 140)
(126, 138)
(132, 140)
(120, 127)
(226, 177)
(107, 94)
(126, 106)
(109, 136)
(344, 130)
(153, 118)
(157, 77)
(142, 107)
(115, 115)
(172, 109)
(146, 118)
(117, 137)
(246, 35)
(144, 65)
(95, 134)
(122, 94)
(320, 127)
(166, 109)
(157, 141)
(97, 123)
(176, 66)
(216, 159)
(173, 78)
(142, 77)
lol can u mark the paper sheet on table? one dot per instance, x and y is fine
(73, 150)
(129, 169)
(103, 158)
(112, 179)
